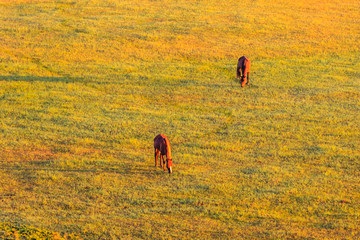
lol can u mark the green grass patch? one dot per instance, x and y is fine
(86, 86)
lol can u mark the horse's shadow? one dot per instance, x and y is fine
(41, 79)
(65, 78)
(125, 170)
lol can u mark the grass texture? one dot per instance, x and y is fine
(86, 85)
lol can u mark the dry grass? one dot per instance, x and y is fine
(85, 86)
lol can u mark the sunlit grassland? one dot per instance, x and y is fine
(85, 86)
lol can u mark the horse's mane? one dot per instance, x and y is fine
(168, 148)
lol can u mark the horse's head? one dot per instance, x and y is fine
(169, 165)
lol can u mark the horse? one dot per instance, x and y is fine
(162, 146)
(243, 70)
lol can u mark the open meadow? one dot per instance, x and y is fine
(86, 85)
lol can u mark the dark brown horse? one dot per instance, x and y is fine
(162, 146)
(243, 70)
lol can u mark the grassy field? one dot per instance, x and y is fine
(85, 86)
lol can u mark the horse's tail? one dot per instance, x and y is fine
(238, 68)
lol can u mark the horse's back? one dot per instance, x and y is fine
(243, 61)
(243, 65)
(158, 140)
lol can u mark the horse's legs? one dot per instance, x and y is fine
(156, 156)
(248, 81)
(163, 162)
(243, 81)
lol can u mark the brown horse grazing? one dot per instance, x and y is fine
(243, 69)
(162, 146)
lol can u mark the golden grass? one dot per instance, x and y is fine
(85, 86)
